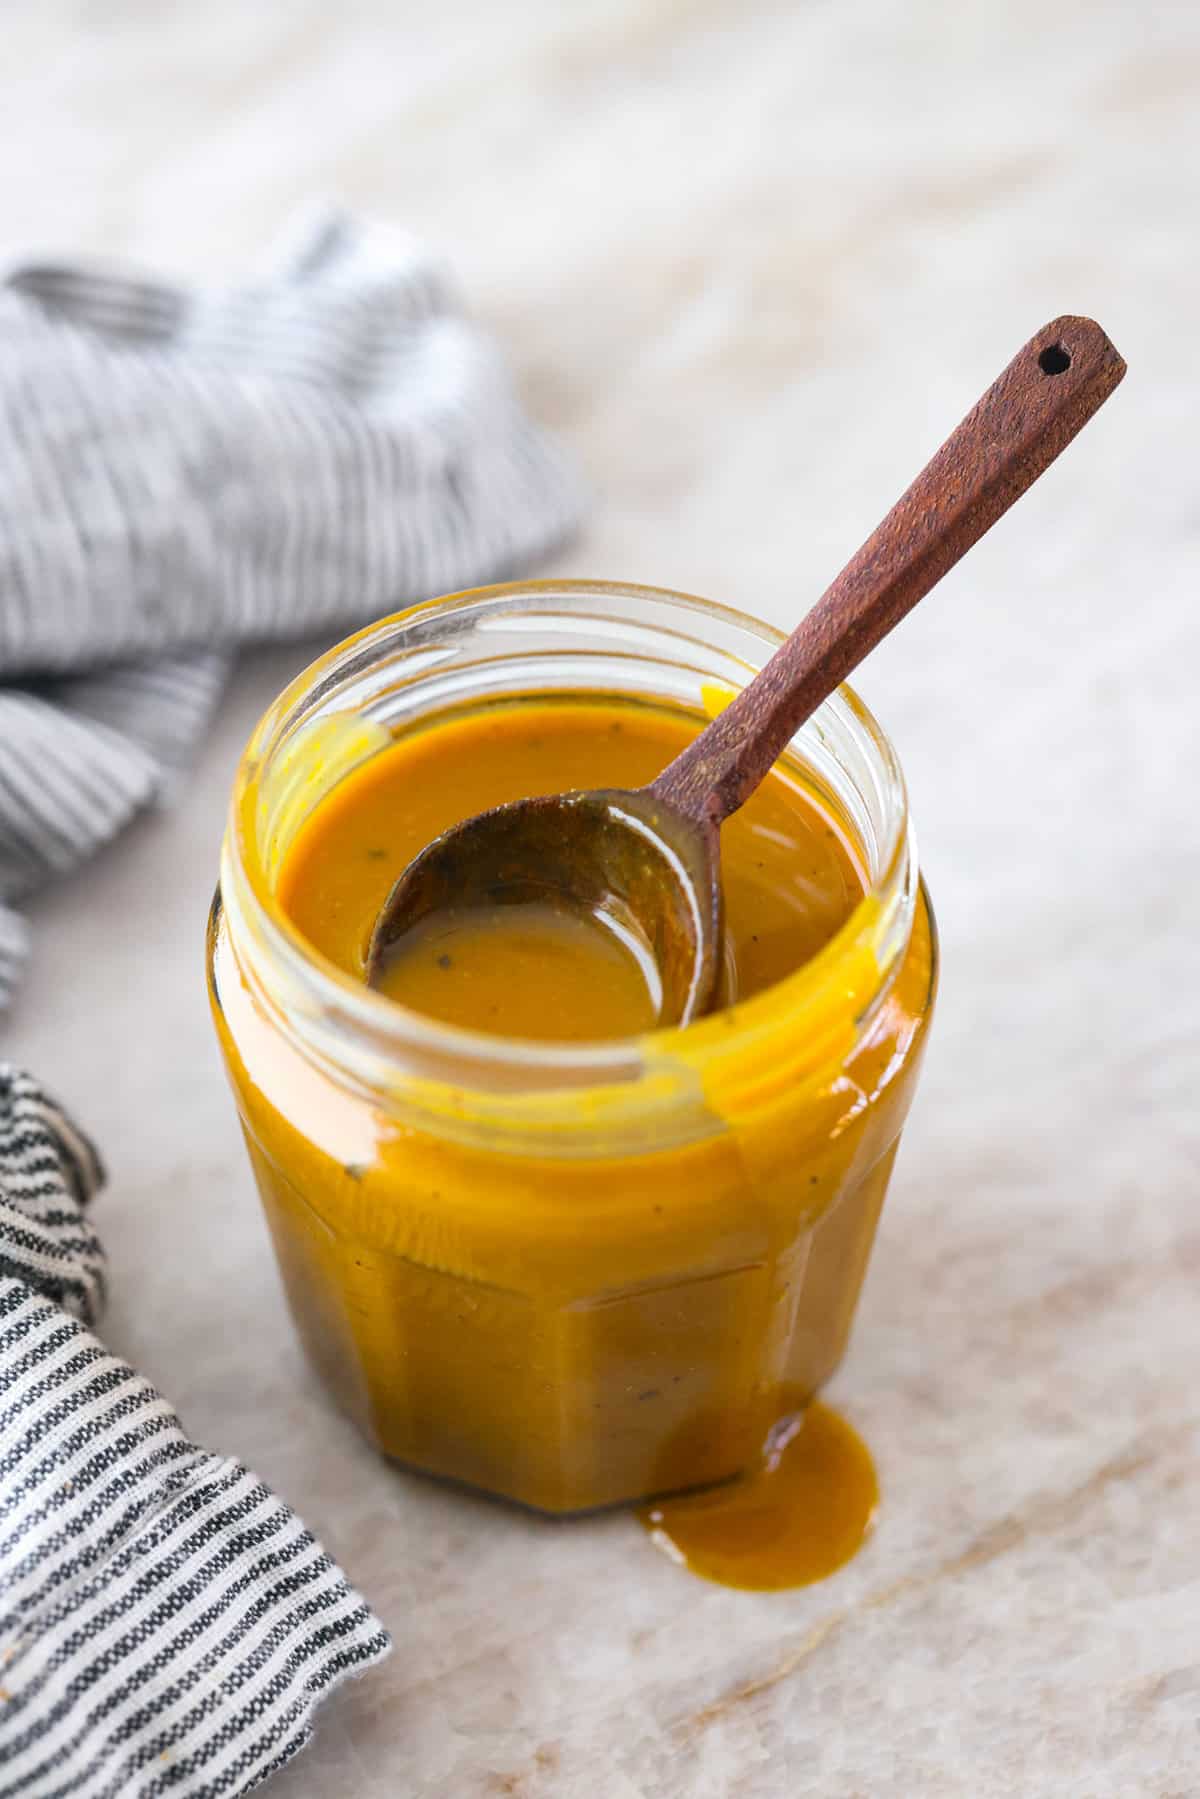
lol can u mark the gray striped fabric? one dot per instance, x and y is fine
(167, 1625)
(182, 471)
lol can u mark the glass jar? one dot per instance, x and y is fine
(572, 1275)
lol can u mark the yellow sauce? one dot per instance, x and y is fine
(789, 878)
(530, 970)
(584, 1298)
(794, 1518)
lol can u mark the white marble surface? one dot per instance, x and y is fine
(752, 261)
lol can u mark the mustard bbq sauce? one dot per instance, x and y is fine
(531, 971)
(527, 971)
(581, 1274)
(794, 1519)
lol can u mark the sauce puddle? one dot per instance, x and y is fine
(795, 1519)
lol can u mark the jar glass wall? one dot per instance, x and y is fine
(572, 1275)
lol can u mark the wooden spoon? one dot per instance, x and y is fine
(647, 860)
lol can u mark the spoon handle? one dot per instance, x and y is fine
(1025, 419)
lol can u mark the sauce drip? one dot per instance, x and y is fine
(795, 1519)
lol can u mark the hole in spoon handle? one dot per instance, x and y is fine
(1012, 434)
(1055, 359)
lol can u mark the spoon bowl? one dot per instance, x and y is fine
(647, 861)
(617, 854)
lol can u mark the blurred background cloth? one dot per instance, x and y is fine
(183, 470)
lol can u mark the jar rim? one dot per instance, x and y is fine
(334, 1002)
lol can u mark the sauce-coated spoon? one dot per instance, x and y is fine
(648, 859)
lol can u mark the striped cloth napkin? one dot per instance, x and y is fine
(167, 1625)
(181, 472)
